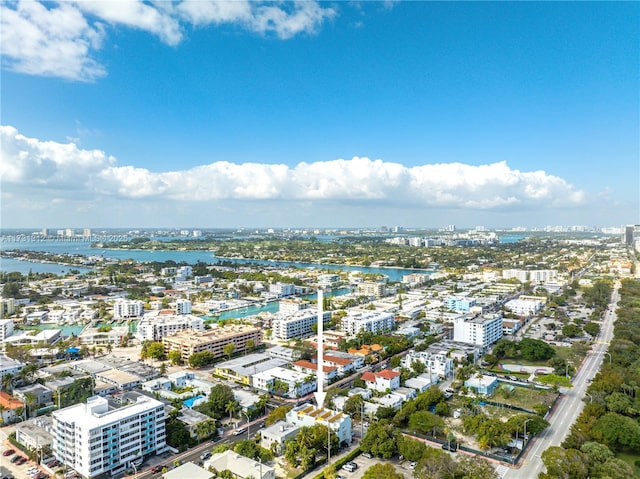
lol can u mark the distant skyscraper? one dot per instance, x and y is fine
(627, 234)
(69, 232)
(86, 232)
(45, 232)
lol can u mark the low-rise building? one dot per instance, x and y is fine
(157, 326)
(272, 438)
(308, 415)
(243, 368)
(240, 467)
(436, 364)
(297, 325)
(103, 336)
(382, 381)
(285, 382)
(12, 409)
(307, 367)
(190, 470)
(9, 366)
(482, 384)
(35, 434)
(368, 321)
(243, 338)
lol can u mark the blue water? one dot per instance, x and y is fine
(76, 329)
(271, 307)
(190, 257)
(189, 402)
(511, 238)
(26, 267)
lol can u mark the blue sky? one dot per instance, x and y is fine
(223, 114)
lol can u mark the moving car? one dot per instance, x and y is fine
(240, 431)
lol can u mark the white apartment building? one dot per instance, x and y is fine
(524, 307)
(7, 307)
(298, 325)
(482, 331)
(519, 274)
(182, 306)
(126, 308)
(6, 329)
(282, 289)
(542, 275)
(298, 384)
(308, 415)
(370, 321)
(156, 327)
(372, 289)
(436, 364)
(93, 439)
(292, 306)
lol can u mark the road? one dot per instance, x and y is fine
(571, 403)
(193, 454)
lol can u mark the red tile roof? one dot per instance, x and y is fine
(369, 377)
(303, 363)
(9, 402)
(340, 361)
(387, 374)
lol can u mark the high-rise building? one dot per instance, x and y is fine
(96, 438)
(482, 331)
(627, 234)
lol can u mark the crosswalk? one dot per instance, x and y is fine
(502, 470)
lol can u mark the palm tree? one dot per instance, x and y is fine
(231, 408)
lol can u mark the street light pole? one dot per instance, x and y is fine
(590, 397)
(608, 354)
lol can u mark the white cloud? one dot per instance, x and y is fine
(54, 42)
(45, 167)
(61, 39)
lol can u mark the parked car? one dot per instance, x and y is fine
(156, 469)
(8, 452)
(350, 466)
(21, 460)
(367, 455)
(15, 459)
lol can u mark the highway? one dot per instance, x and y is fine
(571, 403)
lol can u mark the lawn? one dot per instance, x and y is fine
(630, 459)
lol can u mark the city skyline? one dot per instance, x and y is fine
(255, 114)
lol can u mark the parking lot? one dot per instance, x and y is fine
(365, 463)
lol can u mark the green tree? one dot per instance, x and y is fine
(474, 467)
(564, 464)
(175, 357)
(203, 358)
(592, 328)
(411, 449)
(353, 406)
(277, 414)
(382, 471)
(617, 432)
(229, 349)
(426, 423)
(381, 440)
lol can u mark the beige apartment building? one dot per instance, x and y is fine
(214, 340)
